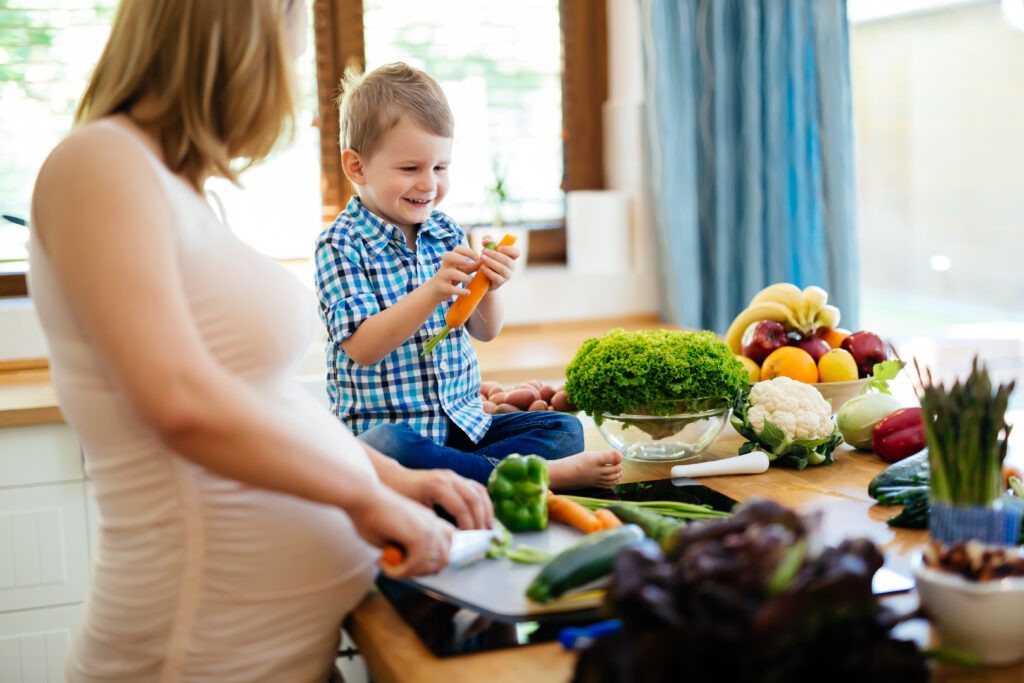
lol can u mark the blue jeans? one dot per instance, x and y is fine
(548, 434)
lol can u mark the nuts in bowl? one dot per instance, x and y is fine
(974, 596)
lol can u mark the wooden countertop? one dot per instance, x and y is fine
(26, 395)
(521, 352)
(395, 654)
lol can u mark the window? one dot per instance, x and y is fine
(48, 47)
(499, 64)
(46, 52)
(937, 111)
(347, 34)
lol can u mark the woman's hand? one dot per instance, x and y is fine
(386, 517)
(464, 499)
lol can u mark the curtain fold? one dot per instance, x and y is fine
(750, 137)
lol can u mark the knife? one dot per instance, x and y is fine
(468, 546)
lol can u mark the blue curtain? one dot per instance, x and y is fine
(750, 143)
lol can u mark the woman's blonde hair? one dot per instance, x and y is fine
(371, 105)
(221, 71)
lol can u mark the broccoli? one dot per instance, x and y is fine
(648, 372)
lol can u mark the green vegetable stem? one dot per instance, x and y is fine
(967, 434)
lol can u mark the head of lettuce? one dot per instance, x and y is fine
(652, 372)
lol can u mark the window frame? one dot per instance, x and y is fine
(339, 44)
(338, 31)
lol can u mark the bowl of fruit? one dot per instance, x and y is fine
(790, 332)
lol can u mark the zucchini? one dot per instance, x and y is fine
(658, 527)
(589, 558)
(915, 510)
(912, 471)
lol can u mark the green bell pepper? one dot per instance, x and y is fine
(518, 487)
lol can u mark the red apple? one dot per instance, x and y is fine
(867, 349)
(761, 338)
(816, 346)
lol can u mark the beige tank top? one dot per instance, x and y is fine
(197, 577)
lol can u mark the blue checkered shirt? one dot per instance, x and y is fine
(363, 266)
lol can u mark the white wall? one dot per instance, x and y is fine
(538, 294)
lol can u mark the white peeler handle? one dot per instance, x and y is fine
(754, 462)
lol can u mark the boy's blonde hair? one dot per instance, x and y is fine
(222, 73)
(371, 105)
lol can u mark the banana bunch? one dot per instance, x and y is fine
(801, 311)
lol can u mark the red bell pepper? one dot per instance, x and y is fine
(898, 435)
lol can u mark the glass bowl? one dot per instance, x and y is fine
(649, 435)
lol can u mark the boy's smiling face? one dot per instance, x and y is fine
(407, 176)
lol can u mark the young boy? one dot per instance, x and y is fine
(388, 269)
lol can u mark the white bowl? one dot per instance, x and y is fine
(840, 392)
(661, 438)
(980, 618)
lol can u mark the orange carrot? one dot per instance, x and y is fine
(392, 556)
(561, 509)
(464, 306)
(607, 518)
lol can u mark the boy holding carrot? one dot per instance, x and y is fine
(388, 270)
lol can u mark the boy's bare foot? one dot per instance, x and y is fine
(589, 468)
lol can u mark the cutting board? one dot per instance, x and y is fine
(497, 587)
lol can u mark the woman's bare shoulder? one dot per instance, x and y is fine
(100, 146)
(98, 164)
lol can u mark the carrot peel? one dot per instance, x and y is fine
(464, 306)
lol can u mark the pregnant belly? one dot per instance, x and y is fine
(262, 545)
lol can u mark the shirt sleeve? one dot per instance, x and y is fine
(344, 292)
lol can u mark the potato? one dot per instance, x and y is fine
(529, 387)
(560, 402)
(497, 397)
(521, 398)
(489, 407)
(546, 392)
(505, 408)
(488, 388)
(539, 404)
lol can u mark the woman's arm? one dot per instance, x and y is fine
(103, 220)
(466, 500)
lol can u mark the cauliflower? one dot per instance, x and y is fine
(788, 420)
(796, 408)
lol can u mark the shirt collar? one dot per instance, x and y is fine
(377, 232)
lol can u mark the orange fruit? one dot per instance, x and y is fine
(837, 365)
(834, 336)
(752, 368)
(792, 362)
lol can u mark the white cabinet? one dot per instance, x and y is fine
(44, 546)
(34, 644)
(44, 549)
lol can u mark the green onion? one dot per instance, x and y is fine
(669, 508)
(967, 435)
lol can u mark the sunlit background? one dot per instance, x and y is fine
(937, 106)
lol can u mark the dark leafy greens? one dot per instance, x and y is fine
(748, 599)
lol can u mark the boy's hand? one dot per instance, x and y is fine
(498, 264)
(457, 267)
